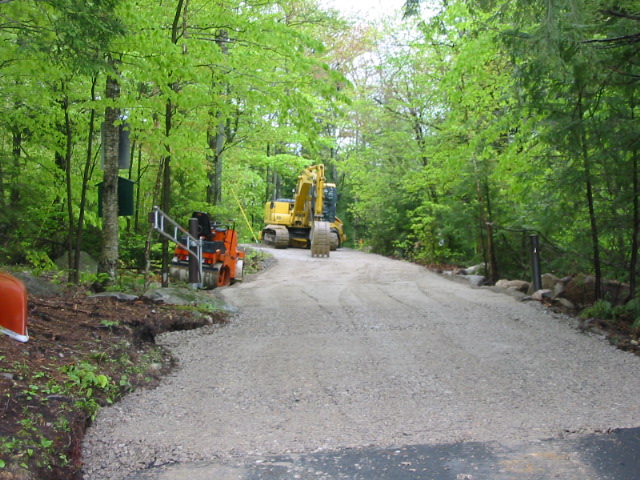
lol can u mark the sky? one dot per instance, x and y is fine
(370, 9)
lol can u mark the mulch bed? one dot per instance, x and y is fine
(74, 340)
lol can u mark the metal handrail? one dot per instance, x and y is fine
(159, 219)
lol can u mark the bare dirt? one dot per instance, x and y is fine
(43, 413)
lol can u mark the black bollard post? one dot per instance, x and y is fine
(194, 270)
(535, 263)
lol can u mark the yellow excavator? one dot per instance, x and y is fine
(309, 219)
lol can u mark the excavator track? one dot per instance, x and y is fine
(334, 240)
(320, 239)
(275, 236)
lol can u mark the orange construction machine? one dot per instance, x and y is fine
(222, 261)
(13, 307)
(206, 255)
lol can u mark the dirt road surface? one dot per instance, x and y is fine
(339, 361)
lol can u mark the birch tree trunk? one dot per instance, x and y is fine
(216, 134)
(109, 256)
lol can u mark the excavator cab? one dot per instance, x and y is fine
(330, 202)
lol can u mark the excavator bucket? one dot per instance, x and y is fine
(320, 239)
(13, 307)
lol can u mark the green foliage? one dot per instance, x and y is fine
(109, 323)
(37, 259)
(84, 382)
(601, 309)
(628, 313)
(500, 114)
(254, 259)
(132, 247)
(270, 85)
(506, 115)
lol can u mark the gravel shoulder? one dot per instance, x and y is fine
(358, 350)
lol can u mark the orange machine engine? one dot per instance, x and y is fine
(223, 261)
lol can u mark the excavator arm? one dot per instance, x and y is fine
(308, 200)
(308, 207)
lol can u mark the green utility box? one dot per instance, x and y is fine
(125, 197)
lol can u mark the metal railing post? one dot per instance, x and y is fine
(535, 262)
(194, 260)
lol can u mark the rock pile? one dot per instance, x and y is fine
(571, 293)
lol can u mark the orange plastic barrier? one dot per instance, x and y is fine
(13, 307)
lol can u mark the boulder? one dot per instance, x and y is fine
(475, 280)
(558, 290)
(540, 295)
(87, 263)
(472, 270)
(187, 296)
(519, 285)
(125, 297)
(580, 290)
(565, 304)
(615, 292)
(548, 280)
(37, 286)
(173, 296)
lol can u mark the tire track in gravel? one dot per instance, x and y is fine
(360, 351)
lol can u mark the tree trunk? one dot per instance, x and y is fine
(166, 172)
(136, 221)
(85, 184)
(132, 152)
(216, 143)
(595, 237)
(16, 151)
(68, 135)
(216, 134)
(2, 180)
(633, 263)
(267, 185)
(594, 226)
(482, 191)
(150, 233)
(109, 256)
(166, 192)
(269, 193)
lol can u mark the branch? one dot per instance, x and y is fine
(622, 40)
(617, 41)
(626, 74)
(613, 13)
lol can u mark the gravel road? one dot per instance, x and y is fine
(362, 351)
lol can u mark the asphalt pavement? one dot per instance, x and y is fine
(608, 456)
